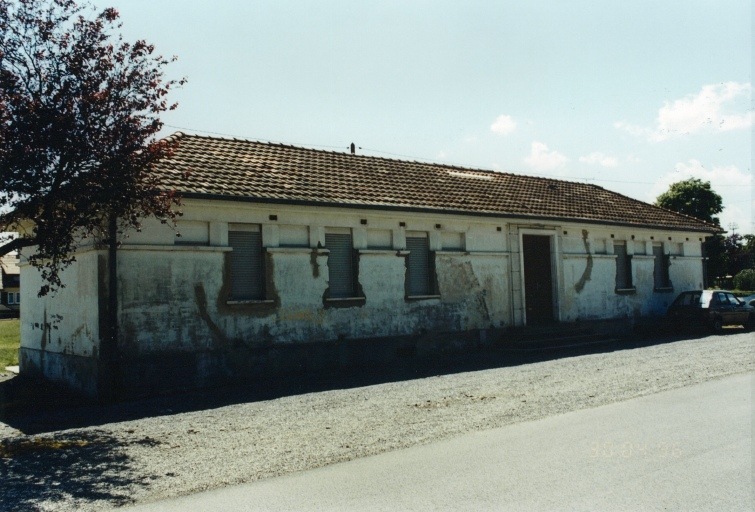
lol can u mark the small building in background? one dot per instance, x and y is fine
(10, 286)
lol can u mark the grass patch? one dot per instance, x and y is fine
(10, 340)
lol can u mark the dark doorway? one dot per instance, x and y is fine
(538, 280)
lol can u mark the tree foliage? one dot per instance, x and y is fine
(79, 111)
(692, 197)
(745, 279)
(729, 255)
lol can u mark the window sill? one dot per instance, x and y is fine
(626, 291)
(293, 250)
(250, 301)
(385, 251)
(174, 248)
(344, 302)
(422, 297)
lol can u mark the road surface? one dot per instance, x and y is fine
(685, 449)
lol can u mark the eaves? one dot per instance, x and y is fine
(440, 211)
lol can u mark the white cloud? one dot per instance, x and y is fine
(598, 158)
(708, 110)
(733, 185)
(542, 159)
(634, 130)
(503, 125)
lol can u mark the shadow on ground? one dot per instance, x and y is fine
(36, 472)
(34, 407)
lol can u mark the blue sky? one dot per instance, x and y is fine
(631, 96)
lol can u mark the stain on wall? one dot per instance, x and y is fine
(220, 339)
(314, 253)
(587, 274)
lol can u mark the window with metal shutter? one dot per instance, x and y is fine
(661, 267)
(623, 266)
(340, 265)
(418, 266)
(247, 265)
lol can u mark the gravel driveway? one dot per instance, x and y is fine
(146, 459)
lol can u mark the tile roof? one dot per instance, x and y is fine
(9, 263)
(232, 169)
(9, 271)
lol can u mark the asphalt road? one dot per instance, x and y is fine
(687, 449)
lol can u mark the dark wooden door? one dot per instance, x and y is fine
(538, 279)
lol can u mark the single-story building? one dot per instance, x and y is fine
(10, 286)
(284, 250)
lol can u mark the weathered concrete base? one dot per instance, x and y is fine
(156, 373)
(160, 372)
(80, 374)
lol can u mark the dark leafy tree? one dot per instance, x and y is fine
(729, 255)
(692, 197)
(696, 198)
(745, 279)
(79, 112)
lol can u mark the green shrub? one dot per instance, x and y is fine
(745, 280)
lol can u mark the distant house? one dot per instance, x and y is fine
(10, 286)
(288, 258)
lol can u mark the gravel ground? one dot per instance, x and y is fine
(147, 459)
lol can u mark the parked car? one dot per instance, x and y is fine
(711, 308)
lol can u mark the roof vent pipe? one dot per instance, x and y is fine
(353, 149)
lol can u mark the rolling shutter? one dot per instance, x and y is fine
(623, 266)
(340, 265)
(661, 267)
(418, 266)
(246, 265)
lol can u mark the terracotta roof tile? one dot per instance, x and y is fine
(258, 171)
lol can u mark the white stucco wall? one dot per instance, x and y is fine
(60, 332)
(589, 269)
(67, 320)
(160, 296)
(173, 291)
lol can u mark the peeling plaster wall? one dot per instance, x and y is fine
(176, 320)
(60, 331)
(473, 295)
(159, 281)
(160, 307)
(478, 285)
(589, 270)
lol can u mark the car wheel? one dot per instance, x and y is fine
(717, 325)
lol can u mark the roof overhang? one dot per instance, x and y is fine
(441, 211)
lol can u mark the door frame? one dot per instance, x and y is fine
(555, 269)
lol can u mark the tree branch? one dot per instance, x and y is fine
(15, 244)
